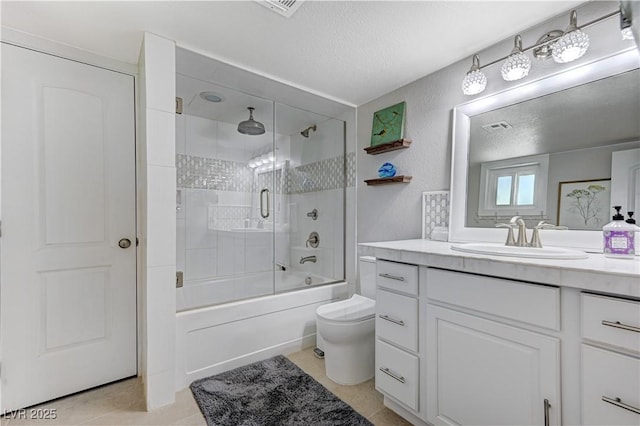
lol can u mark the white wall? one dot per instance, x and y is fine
(393, 212)
(157, 214)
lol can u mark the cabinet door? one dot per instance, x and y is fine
(480, 372)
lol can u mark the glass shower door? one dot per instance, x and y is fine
(225, 225)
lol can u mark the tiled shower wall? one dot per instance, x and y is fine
(216, 196)
(223, 175)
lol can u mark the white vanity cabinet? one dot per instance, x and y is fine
(482, 366)
(467, 339)
(610, 360)
(397, 359)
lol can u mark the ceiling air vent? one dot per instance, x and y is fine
(283, 7)
(497, 126)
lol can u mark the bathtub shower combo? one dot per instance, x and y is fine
(260, 226)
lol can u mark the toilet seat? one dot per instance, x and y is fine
(355, 309)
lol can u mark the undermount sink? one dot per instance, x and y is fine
(496, 249)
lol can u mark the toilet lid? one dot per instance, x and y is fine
(357, 308)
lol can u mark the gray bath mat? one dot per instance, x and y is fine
(271, 392)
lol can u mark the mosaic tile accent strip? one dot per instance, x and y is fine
(223, 175)
(435, 211)
(211, 173)
(265, 180)
(351, 169)
(321, 175)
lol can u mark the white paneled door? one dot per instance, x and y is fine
(68, 255)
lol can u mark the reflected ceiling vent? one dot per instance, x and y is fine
(497, 126)
(282, 7)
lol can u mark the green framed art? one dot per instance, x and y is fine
(388, 124)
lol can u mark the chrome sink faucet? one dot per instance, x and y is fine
(306, 259)
(521, 241)
(535, 238)
(515, 222)
(510, 240)
(522, 231)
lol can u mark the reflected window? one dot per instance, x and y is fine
(514, 186)
(503, 191)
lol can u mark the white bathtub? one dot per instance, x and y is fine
(214, 292)
(218, 338)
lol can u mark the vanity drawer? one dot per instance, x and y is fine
(397, 319)
(397, 276)
(397, 374)
(529, 303)
(609, 375)
(611, 320)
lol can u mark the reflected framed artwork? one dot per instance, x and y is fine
(584, 204)
(388, 124)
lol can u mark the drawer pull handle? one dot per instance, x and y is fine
(393, 320)
(392, 277)
(388, 372)
(618, 324)
(547, 405)
(618, 403)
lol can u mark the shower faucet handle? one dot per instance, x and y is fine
(313, 240)
(313, 214)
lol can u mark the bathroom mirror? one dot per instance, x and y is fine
(562, 128)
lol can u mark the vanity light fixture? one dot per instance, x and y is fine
(475, 81)
(518, 64)
(564, 46)
(572, 44)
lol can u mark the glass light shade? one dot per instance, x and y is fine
(516, 66)
(570, 46)
(474, 82)
(627, 34)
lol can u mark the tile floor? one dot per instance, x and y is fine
(122, 403)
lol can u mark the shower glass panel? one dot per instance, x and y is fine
(310, 192)
(257, 214)
(224, 209)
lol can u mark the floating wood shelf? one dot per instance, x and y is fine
(394, 179)
(389, 146)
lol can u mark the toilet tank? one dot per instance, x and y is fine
(367, 266)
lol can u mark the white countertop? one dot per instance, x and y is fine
(596, 273)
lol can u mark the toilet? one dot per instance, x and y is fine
(346, 331)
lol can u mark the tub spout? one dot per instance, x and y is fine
(308, 259)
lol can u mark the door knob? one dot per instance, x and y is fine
(124, 243)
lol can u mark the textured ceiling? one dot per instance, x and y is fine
(350, 51)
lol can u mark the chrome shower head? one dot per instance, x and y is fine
(305, 132)
(251, 126)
